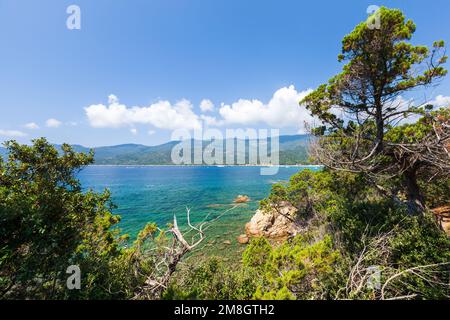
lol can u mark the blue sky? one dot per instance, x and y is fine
(165, 57)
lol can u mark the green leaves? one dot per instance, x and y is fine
(47, 224)
(418, 131)
(362, 106)
(213, 279)
(293, 270)
(381, 64)
(350, 216)
(256, 254)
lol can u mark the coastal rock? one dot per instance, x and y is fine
(277, 224)
(243, 239)
(241, 199)
(443, 217)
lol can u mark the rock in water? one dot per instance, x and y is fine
(241, 199)
(277, 224)
(243, 239)
(227, 242)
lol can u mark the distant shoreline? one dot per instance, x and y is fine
(205, 165)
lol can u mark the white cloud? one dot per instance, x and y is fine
(283, 110)
(31, 126)
(441, 101)
(161, 114)
(112, 99)
(212, 121)
(53, 123)
(400, 103)
(12, 133)
(206, 105)
(133, 131)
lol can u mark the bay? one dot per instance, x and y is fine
(145, 194)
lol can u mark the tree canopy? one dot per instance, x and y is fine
(361, 107)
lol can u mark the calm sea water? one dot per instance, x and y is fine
(155, 193)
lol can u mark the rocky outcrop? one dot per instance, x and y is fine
(443, 217)
(277, 224)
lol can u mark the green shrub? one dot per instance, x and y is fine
(213, 280)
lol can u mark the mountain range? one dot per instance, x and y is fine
(293, 150)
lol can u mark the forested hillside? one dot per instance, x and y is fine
(293, 150)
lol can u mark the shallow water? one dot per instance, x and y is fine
(155, 193)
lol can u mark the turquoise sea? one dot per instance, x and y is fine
(155, 193)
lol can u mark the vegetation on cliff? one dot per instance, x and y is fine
(367, 228)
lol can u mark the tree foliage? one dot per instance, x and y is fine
(43, 217)
(361, 106)
(48, 223)
(353, 229)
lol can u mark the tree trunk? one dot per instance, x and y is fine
(416, 203)
(380, 125)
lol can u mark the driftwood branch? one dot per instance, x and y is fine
(167, 257)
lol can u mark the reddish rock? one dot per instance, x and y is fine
(243, 239)
(241, 199)
(443, 217)
(276, 224)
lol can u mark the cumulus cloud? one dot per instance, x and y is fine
(281, 111)
(161, 114)
(441, 101)
(12, 133)
(133, 131)
(112, 99)
(53, 123)
(402, 104)
(31, 126)
(206, 105)
(211, 121)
